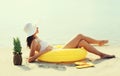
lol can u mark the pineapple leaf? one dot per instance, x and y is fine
(17, 45)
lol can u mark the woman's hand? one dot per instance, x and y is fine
(33, 58)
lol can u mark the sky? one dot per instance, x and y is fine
(59, 19)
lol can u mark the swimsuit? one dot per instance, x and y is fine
(43, 44)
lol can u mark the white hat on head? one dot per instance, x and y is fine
(30, 29)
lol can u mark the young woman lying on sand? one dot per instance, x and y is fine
(36, 44)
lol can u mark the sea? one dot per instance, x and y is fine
(60, 20)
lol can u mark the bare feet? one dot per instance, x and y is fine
(105, 56)
(102, 42)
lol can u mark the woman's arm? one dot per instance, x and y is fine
(33, 56)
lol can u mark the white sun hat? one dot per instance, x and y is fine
(29, 29)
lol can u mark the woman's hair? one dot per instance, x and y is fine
(29, 40)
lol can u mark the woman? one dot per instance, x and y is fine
(37, 45)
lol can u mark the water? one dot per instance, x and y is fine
(60, 20)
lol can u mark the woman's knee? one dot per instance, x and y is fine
(82, 43)
(79, 36)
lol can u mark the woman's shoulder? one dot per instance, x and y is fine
(35, 41)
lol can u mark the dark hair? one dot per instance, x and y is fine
(29, 40)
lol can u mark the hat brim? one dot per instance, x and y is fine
(32, 31)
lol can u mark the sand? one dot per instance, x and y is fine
(103, 67)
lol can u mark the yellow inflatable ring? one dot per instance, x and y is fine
(64, 55)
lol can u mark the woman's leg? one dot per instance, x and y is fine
(93, 50)
(93, 41)
(75, 41)
(83, 41)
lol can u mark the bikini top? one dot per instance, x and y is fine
(43, 44)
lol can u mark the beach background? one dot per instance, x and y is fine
(59, 21)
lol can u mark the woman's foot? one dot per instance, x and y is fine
(102, 42)
(105, 56)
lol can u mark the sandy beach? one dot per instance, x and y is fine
(102, 67)
(59, 21)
